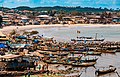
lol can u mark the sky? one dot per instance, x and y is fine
(83, 3)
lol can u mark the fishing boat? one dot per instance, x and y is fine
(18, 73)
(87, 39)
(84, 64)
(77, 52)
(68, 63)
(110, 51)
(105, 51)
(3, 37)
(87, 53)
(105, 70)
(14, 62)
(117, 50)
(53, 62)
(74, 57)
(89, 60)
(90, 39)
(93, 53)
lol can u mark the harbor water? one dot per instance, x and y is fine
(110, 33)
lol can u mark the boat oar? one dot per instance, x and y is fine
(80, 73)
(117, 74)
(94, 67)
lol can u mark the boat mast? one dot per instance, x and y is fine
(96, 36)
(78, 32)
(2, 10)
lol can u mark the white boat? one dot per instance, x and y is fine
(91, 39)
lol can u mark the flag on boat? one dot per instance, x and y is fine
(78, 31)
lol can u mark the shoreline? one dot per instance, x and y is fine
(8, 29)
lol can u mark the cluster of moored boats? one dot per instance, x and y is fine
(24, 51)
(74, 61)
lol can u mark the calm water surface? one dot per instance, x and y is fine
(109, 33)
(66, 33)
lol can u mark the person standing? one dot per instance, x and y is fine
(39, 67)
(43, 68)
(47, 67)
(35, 64)
(1, 20)
(29, 74)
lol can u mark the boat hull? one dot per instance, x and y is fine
(100, 72)
(86, 64)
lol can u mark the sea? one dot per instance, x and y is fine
(110, 33)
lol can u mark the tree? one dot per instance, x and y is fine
(75, 13)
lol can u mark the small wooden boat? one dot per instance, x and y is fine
(89, 60)
(85, 39)
(105, 70)
(88, 39)
(87, 53)
(53, 62)
(111, 48)
(110, 51)
(106, 51)
(93, 53)
(76, 52)
(62, 54)
(18, 73)
(117, 50)
(84, 64)
(3, 37)
(67, 63)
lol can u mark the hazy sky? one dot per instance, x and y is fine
(84, 3)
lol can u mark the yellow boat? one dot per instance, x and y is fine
(3, 37)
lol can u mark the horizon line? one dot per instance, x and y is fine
(62, 6)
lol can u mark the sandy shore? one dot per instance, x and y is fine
(8, 29)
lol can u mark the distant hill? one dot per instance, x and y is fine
(65, 9)
(70, 9)
(5, 8)
(23, 8)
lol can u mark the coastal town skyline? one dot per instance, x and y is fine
(114, 4)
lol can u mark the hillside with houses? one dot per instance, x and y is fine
(58, 15)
